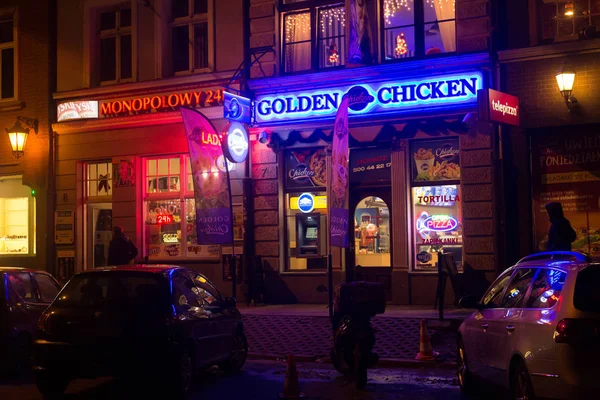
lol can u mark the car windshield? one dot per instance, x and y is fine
(587, 295)
(114, 289)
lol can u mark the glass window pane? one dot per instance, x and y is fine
(125, 18)
(8, 73)
(174, 184)
(516, 291)
(180, 47)
(372, 233)
(179, 8)
(399, 43)
(6, 31)
(438, 10)
(48, 287)
(332, 43)
(92, 172)
(175, 166)
(190, 183)
(163, 228)
(201, 45)
(189, 165)
(190, 221)
(126, 57)
(92, 188)
(546, 288)
(494, 295)
(151, 167)
(163, 166)
(102, 168)
(108, 20)
(14, 218)
(200, 6)
(298, 42)
(108, 59)
(398, 13)
(21, 283)
(440, 38)
(297, 57)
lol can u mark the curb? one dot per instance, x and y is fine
(383, 362)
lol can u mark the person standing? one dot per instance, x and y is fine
(561, 234)
(121, 249)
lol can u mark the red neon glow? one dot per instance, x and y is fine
(164, 219)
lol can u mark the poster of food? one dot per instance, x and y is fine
(566, 169)
(339, 179)
(306, 168)
(212, 190)
(435, 160)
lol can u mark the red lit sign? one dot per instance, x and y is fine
(164, 219)
(161, 103)
(504, 108)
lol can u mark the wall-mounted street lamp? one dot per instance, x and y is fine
(18, 135)
(565, 79)
(569, 9)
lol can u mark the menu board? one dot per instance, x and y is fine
(370, 165)
(566, 169)
(435, 160)
(305, 168)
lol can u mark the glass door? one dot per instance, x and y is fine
(98, 234)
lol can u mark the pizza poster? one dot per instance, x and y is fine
(566, 169)
(306, 168)
(435, 160)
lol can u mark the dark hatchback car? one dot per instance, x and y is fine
(24, 295)
(159, 322)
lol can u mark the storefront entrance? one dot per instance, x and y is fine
(98, 234)
(370, 254)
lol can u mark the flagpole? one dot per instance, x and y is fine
(329, 255)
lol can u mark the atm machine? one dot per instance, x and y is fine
(307, 235)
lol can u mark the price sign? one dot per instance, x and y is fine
(164, 219)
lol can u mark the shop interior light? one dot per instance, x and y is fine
(18, 134)
(566, 79)
(569, 9)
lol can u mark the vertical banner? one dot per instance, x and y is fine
(211, 180)
(339, 178)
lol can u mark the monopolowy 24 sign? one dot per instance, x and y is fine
(390, 96)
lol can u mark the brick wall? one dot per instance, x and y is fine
(263, 35)
(473, 25)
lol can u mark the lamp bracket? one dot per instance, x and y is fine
(30, 122)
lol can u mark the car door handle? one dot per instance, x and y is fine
(510, 328)
(484, 326)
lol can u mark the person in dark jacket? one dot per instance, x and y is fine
(121, 250)
(561, 234)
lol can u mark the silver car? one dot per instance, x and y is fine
(536, 331)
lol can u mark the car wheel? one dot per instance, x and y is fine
(465, 380)
(238, 356)
(51, 384)
(521, 387)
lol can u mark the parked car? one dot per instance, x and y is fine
(24, 294)
(536, 331)
(161, 322)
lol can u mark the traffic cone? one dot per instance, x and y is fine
(426, 352)
(291, 387)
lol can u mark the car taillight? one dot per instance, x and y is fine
(571, 330)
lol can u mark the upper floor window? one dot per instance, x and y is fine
(116, 57)
(306, 46)
(561, 19)
(190, 35)
(418, 28)
(7, 57)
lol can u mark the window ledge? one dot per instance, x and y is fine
(11, 105)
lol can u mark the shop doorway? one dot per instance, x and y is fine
(370, 254)
(98, 234)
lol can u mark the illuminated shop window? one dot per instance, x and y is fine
(372, 233)
(17, 217)
(169, 210)
(98, 179)
(8, 61)
(190, 35)
(561, 19)
(418, 28)
(115, 58)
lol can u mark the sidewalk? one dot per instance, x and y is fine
(274, 331)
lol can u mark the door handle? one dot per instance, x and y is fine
(484, 326)
(510, 328)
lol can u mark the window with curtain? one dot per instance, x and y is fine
(563, 19)
(313, 34)
(7, 57)
(416, 28)
(115, 46)
(190, 35)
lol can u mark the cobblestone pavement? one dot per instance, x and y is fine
(308, 336)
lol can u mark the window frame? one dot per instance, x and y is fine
(557, 18)
(14, 44)
(313, 7)
(86, 182)
(117, 33)
(190, 20)
(510, 275)
(525, 298)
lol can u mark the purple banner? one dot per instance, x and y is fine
(214, 220)
(339, 178)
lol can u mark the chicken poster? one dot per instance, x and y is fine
(339, 178)
(214, 219)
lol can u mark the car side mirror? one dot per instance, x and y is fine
(230, 302)
(470, 302)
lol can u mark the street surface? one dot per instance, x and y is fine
(263, 380)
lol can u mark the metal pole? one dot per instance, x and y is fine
(330, 284)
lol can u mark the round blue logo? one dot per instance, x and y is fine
(235, 111)
(359, 98)
(423, 257)
(306, 202)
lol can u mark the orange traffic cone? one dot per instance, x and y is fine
(291, 387)
(426, 352)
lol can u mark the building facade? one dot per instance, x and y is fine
(27, 77)
(124, 69)
(421, 170)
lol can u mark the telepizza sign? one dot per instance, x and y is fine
(161, 103)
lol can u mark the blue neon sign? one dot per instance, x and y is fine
(391, 96)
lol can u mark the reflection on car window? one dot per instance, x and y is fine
(206, 292)
(494, 295)
(185, 290)
(515, 294)
(21, 284)
(546, 288)
(48, 287)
